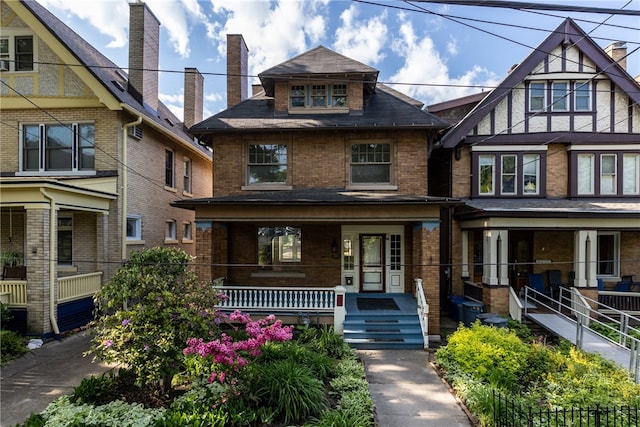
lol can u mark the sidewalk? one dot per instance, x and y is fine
(29, 384)
(407, 392)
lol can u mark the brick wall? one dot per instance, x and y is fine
(461, 170)
(426, 266)
(557, 172)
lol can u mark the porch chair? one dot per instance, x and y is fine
(554, 277)
(536, 282)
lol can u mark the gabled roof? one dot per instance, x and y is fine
(567, 33)
(383, 109)
(319, 61)
(109, 75)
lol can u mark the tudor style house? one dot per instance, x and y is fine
(90, 161)
(548, 167)
(319, 180)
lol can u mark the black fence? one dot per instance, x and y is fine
(507, 412)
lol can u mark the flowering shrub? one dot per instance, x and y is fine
(148, 310)
(226, 355)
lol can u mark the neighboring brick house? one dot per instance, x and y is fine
(319, 180)
(90, 161)
(548, 167)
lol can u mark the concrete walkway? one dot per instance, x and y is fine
(407, 392)
(29, 384)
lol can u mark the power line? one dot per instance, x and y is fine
(534, 6)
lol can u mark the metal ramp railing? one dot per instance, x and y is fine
(571, 315)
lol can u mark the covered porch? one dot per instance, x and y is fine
(592, 246)
(58, 234)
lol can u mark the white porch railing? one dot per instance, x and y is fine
(80, 286)
(515, 305)
(14, 292)
(423, 312)
(286, 300)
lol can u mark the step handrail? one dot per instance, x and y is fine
(423, 312)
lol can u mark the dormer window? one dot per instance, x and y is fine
(560, 96)
(318, 96)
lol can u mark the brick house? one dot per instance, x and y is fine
(319, 180)
(548, 167)
(90, 162)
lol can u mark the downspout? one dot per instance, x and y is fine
(52, 263)
(125, 166)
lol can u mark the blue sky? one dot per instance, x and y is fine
(433, 52)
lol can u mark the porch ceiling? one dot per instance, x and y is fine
(92, 194)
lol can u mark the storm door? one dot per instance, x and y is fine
(372, 262)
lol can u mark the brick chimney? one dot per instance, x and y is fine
(237, 70)
(193, 96)
(618, 51)
(144, 42)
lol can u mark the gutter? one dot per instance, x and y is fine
(52, 263)
(125, 166)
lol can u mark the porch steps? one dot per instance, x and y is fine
(383, 330)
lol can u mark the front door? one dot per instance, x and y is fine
(520, 258)
(372, 262)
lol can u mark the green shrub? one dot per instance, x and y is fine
(148, 310)
(341, 418)
(492, 355)
(12, 346)
(290, 389)
(325, 340)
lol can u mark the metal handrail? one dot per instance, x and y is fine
(577, 305)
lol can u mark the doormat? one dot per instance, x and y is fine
(376, 304)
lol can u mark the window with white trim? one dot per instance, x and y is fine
(509, 174)
(537, 96)
(267, 164)
(58, 147)
(371, 163)
(318, 96)
(608, 254)
(559, 100)
(187, 232)
(17, 52)
(186, 175)
(279, 245)
(134, 227)
(606, 173)
(582, 96)
(170, 230)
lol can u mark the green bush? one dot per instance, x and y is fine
(148, 310)
(291, 389)
(325, 340)
(12, 346)
(341, 418)
(493, 355)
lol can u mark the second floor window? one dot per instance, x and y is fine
(607, 174)
(186, 174)
(560, 96)
(169, 175)
(267, 164)
(58, 148)
(371, 164)
(507, 174)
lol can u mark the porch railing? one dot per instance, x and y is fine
(629, 302)
(14, 292)
(79, 286)
(285, 300)
(423, 312)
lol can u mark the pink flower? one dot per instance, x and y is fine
(125, 322)
(108, 343)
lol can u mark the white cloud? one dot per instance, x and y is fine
(361, 40)
(425, 72)
(174, 102)
(104, 16)
(273, 30)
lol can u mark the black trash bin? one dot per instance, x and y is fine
(497, 321)
(482, 317)
(471, 309)
(455, 307)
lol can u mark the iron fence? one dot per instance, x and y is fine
(508, 412)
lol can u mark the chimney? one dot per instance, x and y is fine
(193, 96)
(237, 70)
(144, 42)
(618, 51)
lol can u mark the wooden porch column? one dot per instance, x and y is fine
(495, 257)
(465, 254)
(585, 258)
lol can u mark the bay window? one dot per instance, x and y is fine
(606, 174)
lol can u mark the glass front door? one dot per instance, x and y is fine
(372, 262)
